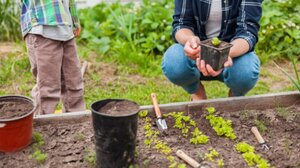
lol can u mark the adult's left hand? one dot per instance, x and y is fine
(207, 70)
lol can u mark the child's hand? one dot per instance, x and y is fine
(77, 32)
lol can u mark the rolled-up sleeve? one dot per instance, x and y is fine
(250, 12)
(183, 16)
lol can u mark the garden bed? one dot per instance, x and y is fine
(68, 138)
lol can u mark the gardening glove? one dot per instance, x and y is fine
(192, 48)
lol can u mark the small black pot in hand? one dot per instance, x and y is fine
(215, 54)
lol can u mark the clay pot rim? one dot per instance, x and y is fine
(20, 97)
(114, 116)
(204, 43)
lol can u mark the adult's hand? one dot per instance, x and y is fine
(207, 70)
(77, 32)
(192, 48)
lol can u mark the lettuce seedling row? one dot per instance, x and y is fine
(68, 139)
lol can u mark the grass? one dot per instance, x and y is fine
(9, 20)
(106, 78)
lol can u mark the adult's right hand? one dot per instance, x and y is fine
(192, 48)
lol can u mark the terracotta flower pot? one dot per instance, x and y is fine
(15, 130)
(215, 56)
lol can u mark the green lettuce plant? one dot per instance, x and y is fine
(185, 123)
(220, 125)
(250, 157)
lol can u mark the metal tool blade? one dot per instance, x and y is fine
(161, 124)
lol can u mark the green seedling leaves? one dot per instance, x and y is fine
(220, 125)
(250, 157)
(143, 114)
(215, 41)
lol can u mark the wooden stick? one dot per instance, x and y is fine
(188, 159)
(84, 67)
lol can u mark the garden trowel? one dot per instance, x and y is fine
(160, 121)
(260, 139)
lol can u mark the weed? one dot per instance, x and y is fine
(146, 162)
(79, 136)
(295, 81)
(261, 125)
(90, 156)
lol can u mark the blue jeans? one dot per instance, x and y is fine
(182, 71)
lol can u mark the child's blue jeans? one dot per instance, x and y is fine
(182, 71)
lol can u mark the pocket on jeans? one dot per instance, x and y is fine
(34, 41)
(30, 40)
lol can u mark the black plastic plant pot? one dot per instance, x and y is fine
(215, 56)
(115, 126)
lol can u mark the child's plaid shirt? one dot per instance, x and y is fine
(46, 12)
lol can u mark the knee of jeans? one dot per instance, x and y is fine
(173, 65)
(243, 81)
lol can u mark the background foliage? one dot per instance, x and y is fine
(124, 44)
(129, 34)
(279, 36)
(9, 20)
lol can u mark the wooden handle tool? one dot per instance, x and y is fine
(155, 105)
(259, 138)
(188, 159)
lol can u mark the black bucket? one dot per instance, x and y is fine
(115, 132)
(215, 56)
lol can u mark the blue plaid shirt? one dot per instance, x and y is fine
(240, 18)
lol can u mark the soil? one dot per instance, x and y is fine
(14, 108)
(222, 45)
(68, 143)
(117, 108)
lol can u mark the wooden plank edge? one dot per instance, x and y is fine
(259, 102)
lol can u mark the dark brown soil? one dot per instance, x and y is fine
(223, 44)
(68, 143)
(117, 108)
(14, 108)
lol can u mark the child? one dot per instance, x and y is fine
(49, 28)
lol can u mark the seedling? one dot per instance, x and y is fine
(220, 125)
(198, 137)
(38, 139)
(220, 163)
(182, 166)
(211, 155)
(250, 157)
(143, 114)
(215, 41)
(38, 154)
(152, 140)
